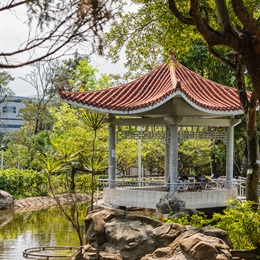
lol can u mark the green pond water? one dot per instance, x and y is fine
(42, 228)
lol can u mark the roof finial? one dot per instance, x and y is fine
(171, 54)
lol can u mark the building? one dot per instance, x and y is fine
(9, 110)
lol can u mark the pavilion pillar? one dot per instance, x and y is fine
(112, 155)
(173, 169)
(229, 156)
(166, 158)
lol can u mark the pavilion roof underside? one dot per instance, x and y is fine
(157, 87)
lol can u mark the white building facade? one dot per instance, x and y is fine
(10, 106)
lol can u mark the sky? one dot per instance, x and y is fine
(13, 32)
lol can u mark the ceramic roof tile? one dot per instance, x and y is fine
(159, 85)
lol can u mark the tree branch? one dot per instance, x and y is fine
(224, 16)
(250, 23)
(178, 14)
(221, 58)
(12, 5)
(212, 36)
(60, 30)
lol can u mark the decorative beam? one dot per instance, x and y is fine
(218, 122)
(138, 121)
(179, 121)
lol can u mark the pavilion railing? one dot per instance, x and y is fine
(159, 184)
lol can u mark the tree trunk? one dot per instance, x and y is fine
(244, 162)
(213, 165)
(72, 180)
(253, 156)
(249, 108)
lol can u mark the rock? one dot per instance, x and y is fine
(88, 252)
(200, 246)
(6, 200)
(184, 211)
(170, 203)
(118, 234)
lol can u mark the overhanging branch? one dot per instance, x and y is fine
(250, 23)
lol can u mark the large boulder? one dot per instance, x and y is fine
(6, 200)
(170, 203)
(118, 234)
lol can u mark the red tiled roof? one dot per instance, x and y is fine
(157, 87)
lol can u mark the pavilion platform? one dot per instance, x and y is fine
(147, 194)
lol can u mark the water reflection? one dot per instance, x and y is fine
(47, 227)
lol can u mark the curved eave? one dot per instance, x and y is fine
(177, 93)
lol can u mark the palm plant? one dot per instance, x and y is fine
(52, 162)
(94, 121)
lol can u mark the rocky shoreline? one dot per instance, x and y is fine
(38, 203)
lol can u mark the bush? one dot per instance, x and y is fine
(242, 224)
(240, 221)
(83, 183)
(23, 183)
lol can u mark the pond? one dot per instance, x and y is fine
(48, 227)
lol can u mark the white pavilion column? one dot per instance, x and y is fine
(166, 162)
(166, 156)
(229, 156)
(173, 169)
(112, 156)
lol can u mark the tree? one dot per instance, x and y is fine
(5, 78)
(230, 29)
(236, 27)
(153, 156)
(42, 79)
(126, 156)
(94, 121)
(52, 162)
(55, 27)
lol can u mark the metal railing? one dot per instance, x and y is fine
(161, 185)
(49, 252)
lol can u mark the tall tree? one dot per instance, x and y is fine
(234, 25)
(42, 79)
(231, 30)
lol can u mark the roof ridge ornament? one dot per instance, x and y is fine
(172, 66)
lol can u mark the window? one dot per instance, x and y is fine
(9, 109)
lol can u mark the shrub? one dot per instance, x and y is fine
(23, 183)
(242, 224)
(240, 221)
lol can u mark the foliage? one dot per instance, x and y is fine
(147, 30)
(240, 221)
(209, 66)
(83, 183)
(126, 156)
(95, 122)
(84, 78)
(23, 183)
(195, 154)
(16, 156)
(5, 78)
(242, 224)
(153, 156)
(199, 220)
